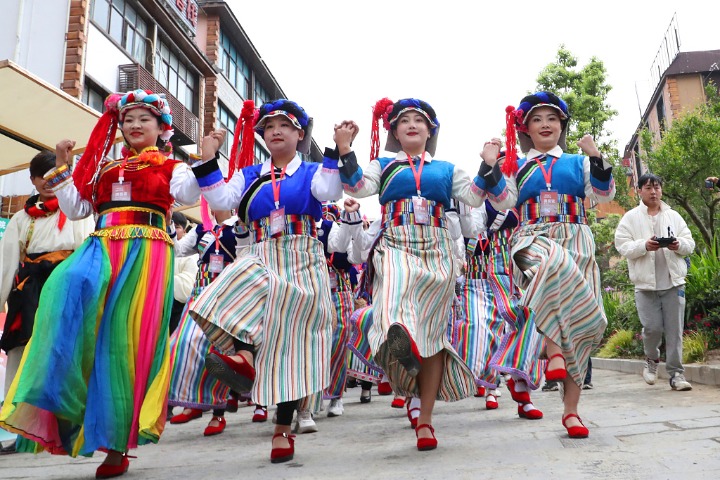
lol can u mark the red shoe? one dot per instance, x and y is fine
(110, 471)
(529, 411)
(186, 417)
(279, 455)
(480, 392)
(397, 403)
(232, 405)
(210, 430)
(426, 443)
(413, 419)
(558, 373)
(404, 349)
(238, 376)
(491, 402)
(519, 397)
(260, 414)
(580, 431)
(384, 388)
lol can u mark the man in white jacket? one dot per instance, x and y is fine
(655, 239)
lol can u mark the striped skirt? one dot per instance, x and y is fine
(360, 360)
(555, 266)
(96, 371)
(413, 284)
(275, 296)
(338, 357)
(190, 384)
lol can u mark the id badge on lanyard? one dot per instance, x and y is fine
(277, 216)
(420, 208)
(217, 263)
(548, 203)
(121, 192)
(333, 280)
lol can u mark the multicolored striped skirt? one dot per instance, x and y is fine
(413, 284)
(338, 357)
(190, 385)
(554, 263)
(494, 335)
(360, 360)
(97, 369)
(275, 296)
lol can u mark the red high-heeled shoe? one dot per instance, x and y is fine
(528, 410)
(186, 417)
(397, 403)
(578, 431)
(260, 414)
(279, 455)
(110, 471)
(519, 397)
(239, 376)
(426, 443)
(491, 402)
(217, 429)
(404, 349)
(480, 392)
(413, 419)
(558, 373)
(384, 388)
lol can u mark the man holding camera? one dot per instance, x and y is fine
(655, 240)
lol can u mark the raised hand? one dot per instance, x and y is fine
(351, 205)
(587, 144)
(63, 152)
(211, 143)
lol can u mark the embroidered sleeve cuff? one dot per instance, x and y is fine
(600, 169)
(58, 177)
(351, 218)
(331, 153)
(488, 177)
(350, 172)
(330, 159)
(208, 173)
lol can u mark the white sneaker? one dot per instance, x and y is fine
(305, 422)
(650, 371)
(336, 407)
(678, 382)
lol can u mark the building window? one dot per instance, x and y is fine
(261, 155)
(261, 95)
(93, 96)
(174, 75)
(661, 114)
(234, 67)
(123, 24)
(227, 121)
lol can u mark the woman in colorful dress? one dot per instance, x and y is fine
(272, 306)
(412, 265)
(553, 250)
(190, 386)
(95, 374)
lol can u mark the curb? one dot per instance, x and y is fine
(694, 373)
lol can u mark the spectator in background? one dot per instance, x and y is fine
(655, 239)
(185, 270)
(36, 240)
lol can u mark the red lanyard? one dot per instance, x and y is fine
(417, 173)
(217, 236)
(121, 173)
(330, 260)
(547, 174)
(275, 184)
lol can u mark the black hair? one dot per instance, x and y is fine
(650, 178)
(42, 163)
(179, 219)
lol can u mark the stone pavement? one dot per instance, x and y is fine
(637, 431)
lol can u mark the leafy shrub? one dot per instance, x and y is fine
(695, 346)
(622, 344)
(621, 312)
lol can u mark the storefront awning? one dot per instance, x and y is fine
(35, 115)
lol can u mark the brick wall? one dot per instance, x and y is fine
(212, 51)
(75, 49)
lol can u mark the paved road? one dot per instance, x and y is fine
(636, 432)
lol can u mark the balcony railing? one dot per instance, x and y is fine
(185, 123)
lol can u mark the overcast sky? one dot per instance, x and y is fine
(468, 59)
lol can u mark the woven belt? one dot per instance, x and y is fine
(401, 213)
(130, 216)
(570, 210)
(294, 225)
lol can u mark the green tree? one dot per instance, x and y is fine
(686, 154)
(585, 91)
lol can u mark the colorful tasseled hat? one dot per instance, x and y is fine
(293, 112)
(330, 211)
(103, 134)
(516, 121)
(390, 113)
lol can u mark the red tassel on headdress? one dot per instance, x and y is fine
(243, 128)
(98, 146)
(510, 166)
(379, 110)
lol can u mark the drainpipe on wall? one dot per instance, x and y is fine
(21, 9)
